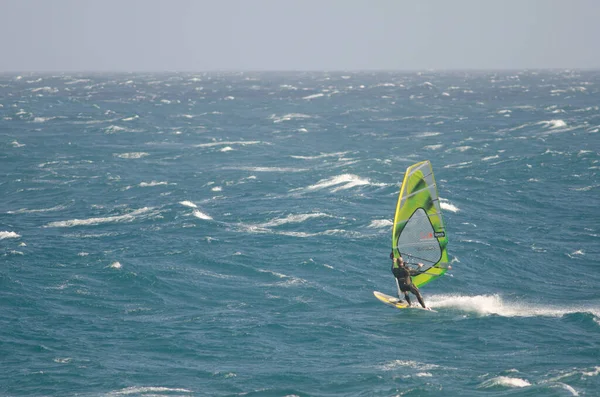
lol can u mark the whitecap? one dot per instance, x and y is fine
(28, 211)
(153, 183)
(346, 181)
(488, 158)
(201, 215)
(289, 117)
(147, 211)
(188, 204)
(505, 381)
(552, 124)
(243, 143)
(485, 305)
(293, 218)
(115, 265)
(393, 365)
(149, 389)
(6, 234)
(17, 144)
(446, 205)
(320, 156)
(132, 155)
(267, 169)
(313, 96)
(380, 223)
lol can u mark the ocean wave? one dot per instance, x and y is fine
(293, 218)
(188, 204)
(201, 215)
(130, 217)
(488, 158)
(380, 224)
(494, 304)
(552, 124)
(320, 156)
(267, 169)
(289, 117)
(6, 234)
(504, 381)
(228, 143)
(308, 97)
(465, 164)
(132, 155)
(446, 205)
(153, 183)
(147, 389)
(28, 211)
(396, 364)
(343, 182)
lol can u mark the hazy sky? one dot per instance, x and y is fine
(186, 35)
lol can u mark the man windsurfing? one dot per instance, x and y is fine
(403, 278)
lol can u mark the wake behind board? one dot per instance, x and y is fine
(393, 301)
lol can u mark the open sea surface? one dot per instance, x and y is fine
(221, 234)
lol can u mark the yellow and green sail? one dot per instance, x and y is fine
(419, 234)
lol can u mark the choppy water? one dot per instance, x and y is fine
(221, 234)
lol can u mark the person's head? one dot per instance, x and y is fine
(399, 261)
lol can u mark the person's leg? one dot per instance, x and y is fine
(417, 293)
(407, 298)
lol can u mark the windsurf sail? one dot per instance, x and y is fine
(419, 234)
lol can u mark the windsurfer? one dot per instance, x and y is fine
(403, 277)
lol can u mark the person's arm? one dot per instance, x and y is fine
(415, 272)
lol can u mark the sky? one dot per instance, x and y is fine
(256, 35)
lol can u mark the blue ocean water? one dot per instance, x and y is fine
(222, 233)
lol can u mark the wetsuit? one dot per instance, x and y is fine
(403, 274)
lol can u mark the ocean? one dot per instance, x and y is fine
(221, 234)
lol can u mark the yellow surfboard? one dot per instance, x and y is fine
(397, 303)
(390, 300)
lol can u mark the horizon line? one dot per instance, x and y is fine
(335, 70)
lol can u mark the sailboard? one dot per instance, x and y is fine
(418, 233)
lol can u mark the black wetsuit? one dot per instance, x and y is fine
(403, 274)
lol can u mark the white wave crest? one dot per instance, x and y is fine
(552, 124)
(153, 183)
(267, 169)
(17, 144)
(504, 381)
(5, 234)
(345, 181)
(293, 218)
(202, 215)
(427, 134)
(27, 211)
(115, 265)
(289, 117)
(320, 156)
(313, 96)
(494, 304)
(188, 204)
(228, 143)
(380, 223)
(446, 205)
(407, 363)
(132, 155)
(150, 389)
(42, 119)
(488, 158)
(147, 211)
